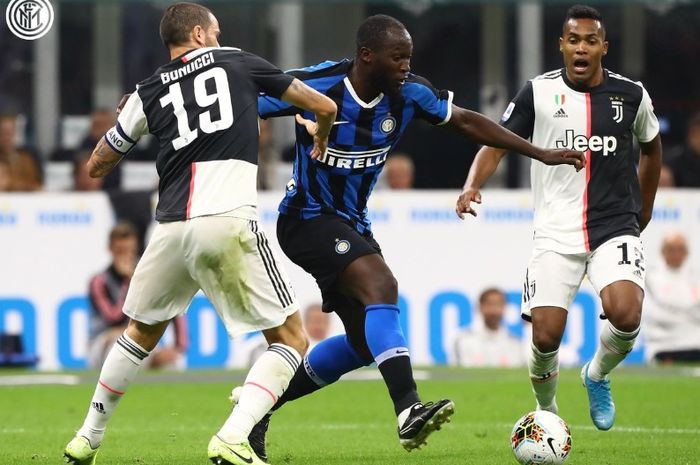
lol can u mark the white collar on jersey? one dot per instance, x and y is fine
(359, 101)
(199, 51)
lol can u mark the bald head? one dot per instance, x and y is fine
(674, 250)
(399, 171)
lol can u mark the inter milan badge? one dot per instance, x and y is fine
(388, 125)
(341, 247)
(29, 19)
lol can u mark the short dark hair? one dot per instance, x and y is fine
(179, 19)
(487, 292)
(374, 30)
(584, 12)
(122, 230)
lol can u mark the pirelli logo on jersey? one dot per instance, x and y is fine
(352, 160)
(192, 66)
(605, 144)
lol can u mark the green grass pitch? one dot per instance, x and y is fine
(169, 418)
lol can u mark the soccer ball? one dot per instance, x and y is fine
(540, 437)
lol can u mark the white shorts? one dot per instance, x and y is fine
(226, 257)
(553, 279)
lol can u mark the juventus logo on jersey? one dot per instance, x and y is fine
(617, 108)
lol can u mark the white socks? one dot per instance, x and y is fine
(120, 368)
(267, 379)
(613, 348)
(544, 375)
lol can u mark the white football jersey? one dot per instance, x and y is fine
(576, 212)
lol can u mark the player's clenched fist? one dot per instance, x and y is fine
(564, 157)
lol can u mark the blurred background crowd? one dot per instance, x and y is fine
(57, 95)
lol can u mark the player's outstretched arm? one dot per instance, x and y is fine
(484, 131)
(649, 171)
(103, 159)
(484, 165)
(302, 96)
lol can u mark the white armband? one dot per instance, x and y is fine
(118, 140)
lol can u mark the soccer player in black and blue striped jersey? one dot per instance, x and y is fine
(324, 226)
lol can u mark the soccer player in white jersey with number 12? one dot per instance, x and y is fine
(202, 106)
(588, 222)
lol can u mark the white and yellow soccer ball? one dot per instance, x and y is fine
(540, 437)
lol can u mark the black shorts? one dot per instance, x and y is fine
(323, 246)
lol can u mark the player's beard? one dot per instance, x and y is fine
(386, 86)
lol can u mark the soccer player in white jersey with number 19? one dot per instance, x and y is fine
(588, 222)
(202, 107)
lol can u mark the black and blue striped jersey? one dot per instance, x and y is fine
(363, 135)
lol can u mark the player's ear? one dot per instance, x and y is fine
(605, 47)
(561, 44)
(365, 54)
(198, 35)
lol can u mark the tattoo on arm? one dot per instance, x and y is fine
(300, 95)
(103, 159)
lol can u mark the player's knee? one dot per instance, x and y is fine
(383, 288)
(298, 341)
(146, 336)
(627, 320)
(546, 341)
(291, 334)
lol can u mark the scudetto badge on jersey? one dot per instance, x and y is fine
(388, 125)
(118, 141)
(508, 112)
(342, 247)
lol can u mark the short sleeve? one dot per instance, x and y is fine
(131, 125)
(432, 105)
(645, 126)
(269, 107)
(269, 79)
(519, 116)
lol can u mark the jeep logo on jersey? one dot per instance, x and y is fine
(388, 124)
(606, 144)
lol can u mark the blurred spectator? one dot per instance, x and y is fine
(666, 178)
(672, 305)
(5, 176)
(82, 182)
(487, 342)
(686, 164)
(107, 293)
(399, 171)
(317, 324)
(24, 170)
(100, 122)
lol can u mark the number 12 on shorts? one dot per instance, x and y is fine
(639, 258)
